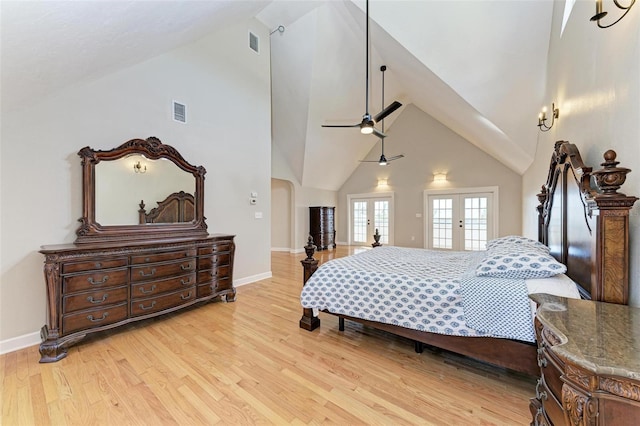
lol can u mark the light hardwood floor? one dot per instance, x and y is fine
(248, 362)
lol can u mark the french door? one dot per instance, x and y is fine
(368, 212)
(461, 220)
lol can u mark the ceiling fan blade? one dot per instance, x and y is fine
(378, 133)
(341, 125)
(388, 110)
(395, 157)
(369, 161)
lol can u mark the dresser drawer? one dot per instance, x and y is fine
(162, 257)
(222, 271)
(95, 280)
(206, 290)
(210, 261)
(551, 372)
(88, 265)
(552, 407)
(87, 300)
(215, 274)
(216, 248)
(160, 303)
(93, 318)
(203, 251)
(205, 277)
(160, 270)
(224, 284)
(151, 288)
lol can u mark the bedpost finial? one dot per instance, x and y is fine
(542, 196)
(310, 248)
(610, 178)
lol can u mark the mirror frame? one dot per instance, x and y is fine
(91, 232)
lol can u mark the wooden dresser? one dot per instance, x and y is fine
(124, 266)
(96, 287)
(322, 226)
(589, 358)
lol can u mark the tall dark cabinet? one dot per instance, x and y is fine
(322, 227)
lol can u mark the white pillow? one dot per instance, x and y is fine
(519, 265)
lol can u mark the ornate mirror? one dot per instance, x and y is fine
(141, 190)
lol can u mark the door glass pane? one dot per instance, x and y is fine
(475, 223)
(360, 221)
(442, 214)
(381, 220)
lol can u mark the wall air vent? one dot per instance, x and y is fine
(179, 112)
(254, 42)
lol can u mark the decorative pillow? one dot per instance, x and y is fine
(515, 243)
(523, 265)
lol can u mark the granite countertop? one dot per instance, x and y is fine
(600, 337)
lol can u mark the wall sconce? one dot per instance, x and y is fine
(383, 182)
(139, 168)
(601, 14)
(439, 177)
(542, 117)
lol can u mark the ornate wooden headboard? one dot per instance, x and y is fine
(587, 227)
(177, 207)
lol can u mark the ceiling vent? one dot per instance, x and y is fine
(179, 112)
(254, 42)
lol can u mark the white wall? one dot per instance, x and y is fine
(303, 198)
(593, 78)
(281, 212)
(429, 147)
(226, 88)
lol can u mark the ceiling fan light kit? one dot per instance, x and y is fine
(367, 125)
(383, 161)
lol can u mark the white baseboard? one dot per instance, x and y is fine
(31, 339)
(20, 342)
(287, 249)
(342, 243)
(298, 250)
(252, 279)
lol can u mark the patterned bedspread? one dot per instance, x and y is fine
(414, 288)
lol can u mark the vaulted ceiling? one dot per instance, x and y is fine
(478, 66)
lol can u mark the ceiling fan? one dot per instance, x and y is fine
(368, 122)
(383, 161)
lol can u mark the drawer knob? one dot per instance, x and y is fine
(143, 291)
(186, 267)
(92, 300)
(152, 272)
(146, 308)
(93, 282)
(187, 282)
(183, 297)
(98, 265)
(92, 319)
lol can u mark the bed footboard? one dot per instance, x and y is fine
(309, 265)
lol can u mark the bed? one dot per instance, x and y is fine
(177, 207)
(583, 228)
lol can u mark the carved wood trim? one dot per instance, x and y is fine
(621, 388)
(604, 272)
(550, 337)
(90, 231)
(578, 376)
(579, 409)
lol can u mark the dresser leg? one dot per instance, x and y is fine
(230, 297)
(54, 349)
